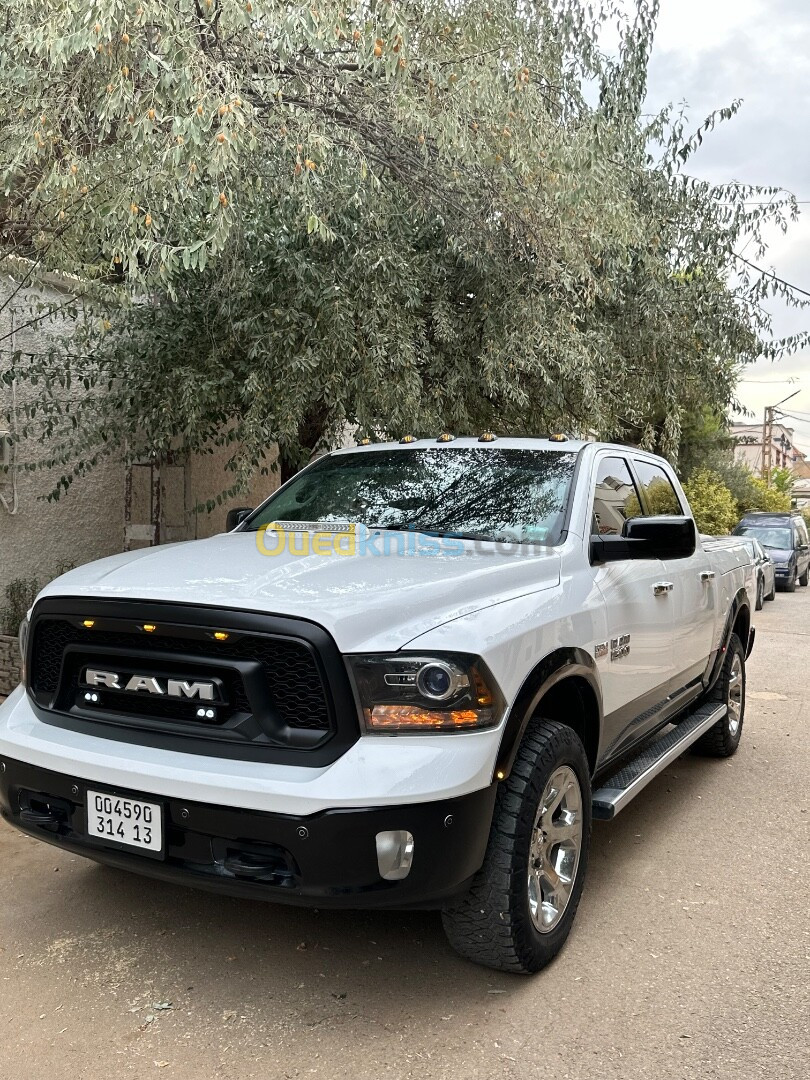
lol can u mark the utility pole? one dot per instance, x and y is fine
(767, 437)
(767, 442)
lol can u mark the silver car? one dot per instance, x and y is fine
(766, 575)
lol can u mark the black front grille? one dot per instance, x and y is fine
(294, 683)
(280, 685)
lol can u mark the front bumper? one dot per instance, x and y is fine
(328, 859)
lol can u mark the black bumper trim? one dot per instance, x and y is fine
(323, 860)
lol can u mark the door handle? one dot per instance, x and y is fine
(661, 587)
(706, 575)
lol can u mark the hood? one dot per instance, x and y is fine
(778, 554)
(365, 600)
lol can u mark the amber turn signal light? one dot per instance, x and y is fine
(382, 717)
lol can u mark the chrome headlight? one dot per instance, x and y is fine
(22, 637)
(408, 693)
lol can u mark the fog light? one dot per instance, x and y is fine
(394, 854)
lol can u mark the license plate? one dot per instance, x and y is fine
(131, 823)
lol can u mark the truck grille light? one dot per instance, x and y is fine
(394, 854)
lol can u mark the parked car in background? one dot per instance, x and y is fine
(765, 570)
(785, 540)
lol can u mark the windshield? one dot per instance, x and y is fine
(768, 536)
(481, 493)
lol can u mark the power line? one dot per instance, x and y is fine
(774, 277)
(770, 382)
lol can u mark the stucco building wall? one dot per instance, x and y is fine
(42, 536)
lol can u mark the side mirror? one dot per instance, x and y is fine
(647, 538)
(236, 517)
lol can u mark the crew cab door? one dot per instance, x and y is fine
(693, 597)
(635, 659)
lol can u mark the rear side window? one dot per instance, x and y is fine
(659, 494)
(615, 497)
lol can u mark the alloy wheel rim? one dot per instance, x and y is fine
(735, 695)
(556, 844)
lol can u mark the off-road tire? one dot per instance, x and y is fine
(492, 924)
(723, 738)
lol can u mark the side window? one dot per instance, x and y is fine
(801, 529)
(659, 493)
(615, 497)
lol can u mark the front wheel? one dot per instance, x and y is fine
(723, 738)
(521, 905)
(790, 584)
(760, 591)
(804, 578)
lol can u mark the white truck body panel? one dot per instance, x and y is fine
(510, 609)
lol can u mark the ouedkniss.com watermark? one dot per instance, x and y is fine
(327, 539)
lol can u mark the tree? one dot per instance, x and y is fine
(289, 219)
(766, 498)
(712, 503)
(782, 481)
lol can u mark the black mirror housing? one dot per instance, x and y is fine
(672, 537)
(236, 517)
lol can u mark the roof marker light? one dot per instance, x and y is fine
(364, 442)
(487, 436)
(408, 439)
(445, 437)
(558, 437)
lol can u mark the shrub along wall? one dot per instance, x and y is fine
(9, 664)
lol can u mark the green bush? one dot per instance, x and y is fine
(766, 498)
(713, 505)
(20, 594)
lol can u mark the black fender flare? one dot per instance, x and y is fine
(553, 669)
(739, 602)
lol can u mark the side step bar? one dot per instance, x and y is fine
(624, 785)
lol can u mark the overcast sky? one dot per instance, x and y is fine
(707, 53)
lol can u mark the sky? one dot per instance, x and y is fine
(706, 54)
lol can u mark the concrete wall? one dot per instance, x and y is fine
(42, 538)
(208, 476)
(87, 523)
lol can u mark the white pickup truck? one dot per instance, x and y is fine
(409, 679)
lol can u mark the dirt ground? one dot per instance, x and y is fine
(690, 957)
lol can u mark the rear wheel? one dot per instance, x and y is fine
(521, 905)
(723, 738)
(804, 578)
(772, 594)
